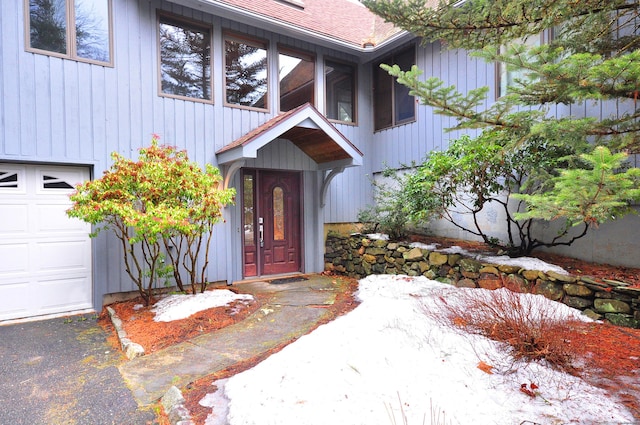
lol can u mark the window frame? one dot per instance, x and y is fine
(545, 37)
(70, 35)
(390, 59)
(303, 55)
(178, 20)
(354, 91)
(255, 42)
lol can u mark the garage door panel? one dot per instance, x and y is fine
(15, 257)
(63, 293)
(45, 256)
(13, 218)
(14, 299)
(63, 255)
(53, 218)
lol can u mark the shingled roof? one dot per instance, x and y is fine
(344, 20)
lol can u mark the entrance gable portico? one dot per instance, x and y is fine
(278, 213)
(303, 126)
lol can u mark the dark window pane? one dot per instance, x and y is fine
(8, 179)
(405, 109)
(296, 76)
(382, 95)
(48, 25)
(340, 86)
(391, 101)
(92, 29)
(246, 74)
(185, 60)
(50, 182)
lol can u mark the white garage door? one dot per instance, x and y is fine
(45, 257)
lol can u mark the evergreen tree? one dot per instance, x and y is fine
(246, 77)
(591, 57)
(47, 25)
(186, 61)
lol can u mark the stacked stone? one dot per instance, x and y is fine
(359, 256)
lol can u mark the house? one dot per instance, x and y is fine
(284, 96)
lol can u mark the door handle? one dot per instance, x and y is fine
(261, 233)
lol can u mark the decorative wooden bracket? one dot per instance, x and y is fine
(231, 170)
(325, 183)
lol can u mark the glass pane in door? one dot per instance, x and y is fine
(278, 214)
(248, 217)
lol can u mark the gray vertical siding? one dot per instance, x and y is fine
(400, 145)
(615, 242)
(351, 190)
(67, 112)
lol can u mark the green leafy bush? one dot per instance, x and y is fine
(387, 215)
(475, 172)
(162, 206)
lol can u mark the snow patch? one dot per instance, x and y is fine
(387, 358)
(181, 306)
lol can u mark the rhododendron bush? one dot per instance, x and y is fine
(162, 208)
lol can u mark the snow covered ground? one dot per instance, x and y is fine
(528, 263)
(387, 363)
(181, 306)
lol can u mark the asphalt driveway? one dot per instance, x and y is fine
(62, 371)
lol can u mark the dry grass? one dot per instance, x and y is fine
(437, 416)
(602, 354)
(530, 332)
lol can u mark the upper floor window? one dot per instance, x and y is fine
(510, 77)
(73, 29)
(185, 59)
(392, 104)
(246, 77)
(340, 83)
(296, 74)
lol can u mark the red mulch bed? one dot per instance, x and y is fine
(140, 327)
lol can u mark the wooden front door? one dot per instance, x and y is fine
(272, 225)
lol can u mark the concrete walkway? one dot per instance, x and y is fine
(292, 310)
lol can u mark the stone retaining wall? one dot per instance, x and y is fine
(359, 256)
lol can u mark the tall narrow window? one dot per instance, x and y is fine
(340, 82)
(392, 104)
(87, 39)
(185, 59)
(296, 74)
(245, 72)
(510, 77)
(278, 214)
(248, 216)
